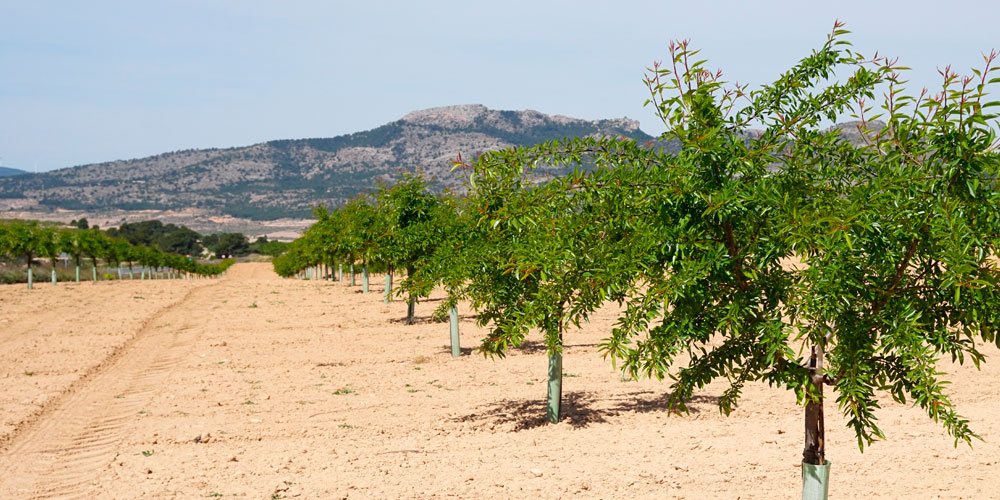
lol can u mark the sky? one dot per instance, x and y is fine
(87, 82)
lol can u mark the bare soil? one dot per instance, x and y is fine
(259, 387)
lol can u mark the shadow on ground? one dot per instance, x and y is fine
(579, 409)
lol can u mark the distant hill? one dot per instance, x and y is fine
(284, 178)
(8, 172)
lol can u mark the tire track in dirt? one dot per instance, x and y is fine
(58, 454)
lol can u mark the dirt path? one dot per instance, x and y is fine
(55, 453)
(257, 387)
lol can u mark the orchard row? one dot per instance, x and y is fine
(30, 241)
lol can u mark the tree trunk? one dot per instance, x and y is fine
(815, 442)
(815, 467)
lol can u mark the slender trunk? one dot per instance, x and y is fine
(456, 349)
(364, 278)
(815, 442)
(388, 287)
(815, 467)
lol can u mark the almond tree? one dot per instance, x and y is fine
(71, 242)
(406, 234)
(48, 247)
(24, 240)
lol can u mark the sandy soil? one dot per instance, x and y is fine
(257, 387)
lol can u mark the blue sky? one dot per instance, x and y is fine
(85, 82)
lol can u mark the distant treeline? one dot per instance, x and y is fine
(172, 238)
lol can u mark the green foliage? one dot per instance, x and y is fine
(167, 237)
(272, 248)
(751, 255)
(742, 247)
(234, 244)
(28, 240)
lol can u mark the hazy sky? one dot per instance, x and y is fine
(85, 82)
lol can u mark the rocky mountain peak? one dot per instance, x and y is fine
(461, 115)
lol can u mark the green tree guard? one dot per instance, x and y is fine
(53, 275)
(364, 278)
(352, 274)
(93, 271)
(77, 274)
(30, 278)
(119, 272)
(388, 288)
(815, 481)
(555, 387)
(456, 349)
(340, 272)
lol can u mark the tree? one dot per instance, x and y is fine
(406, 233)
(94, 245)
(48, 246)
(24, 240)
(876, 257)
(72, 242)
(235, 244)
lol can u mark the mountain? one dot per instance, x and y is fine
(284, 178)
(8, 172)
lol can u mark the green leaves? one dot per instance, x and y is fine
(742, 247)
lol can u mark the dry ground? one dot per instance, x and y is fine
(251, 386)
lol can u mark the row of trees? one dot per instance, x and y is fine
(176, 239)
(30, 241)
(785, 254)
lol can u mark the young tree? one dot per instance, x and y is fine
(72, 242)
(94, 245)
(24, 240)
(407, 235)
(48, 247)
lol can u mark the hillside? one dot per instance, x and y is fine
(283, 178)
(8, 172)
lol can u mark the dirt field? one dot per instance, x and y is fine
(251, 386)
